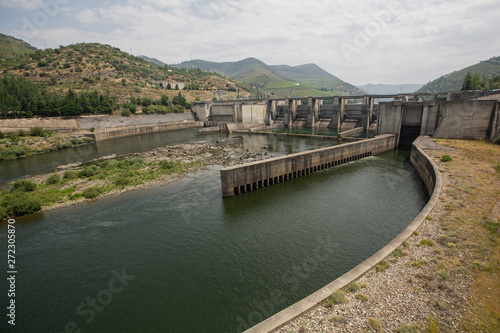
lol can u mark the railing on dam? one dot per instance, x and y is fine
(254, 175)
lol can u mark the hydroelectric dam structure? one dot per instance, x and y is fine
(397, 123)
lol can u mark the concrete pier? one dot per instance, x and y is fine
(255, 175)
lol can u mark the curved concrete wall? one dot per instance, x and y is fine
(429, 173)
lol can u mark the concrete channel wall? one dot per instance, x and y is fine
(429, 172)
(143, 129)
(254, 175)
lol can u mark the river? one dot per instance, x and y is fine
(180, 258)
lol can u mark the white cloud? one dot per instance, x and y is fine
(418, 41)
(21, 4)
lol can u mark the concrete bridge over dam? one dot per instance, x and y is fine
(398, 124)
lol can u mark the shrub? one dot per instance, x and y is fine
(382, 266)
(37, 131)
(167, 165)
(122, 182)
(334, 320)
(2, 135)
(91, 192)
(352, 287)
(446, 158)
(338, 297)
(23, 185)
(53, 179)
(126, 113)
(92, 129)
(70, 175)
(20, 204)
(86, 172)
(375, 324)
(362, 297)
(406, 244)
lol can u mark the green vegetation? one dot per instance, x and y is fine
(382, 266)
(428, 242)
(19, 97)
(26, 197)
(10, 46)
(405, 328)
(39, 141)
(362, 297)
(488, 71)
(92, 68)
(446, 158)
(279, 80)
(337, 297)
(419, 263)
(353, 287)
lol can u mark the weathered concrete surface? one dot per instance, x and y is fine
(426, 167)
(88, 122)
(143, 129)
(260, 174)
(54, 124)
(475, 119)
(351, 132)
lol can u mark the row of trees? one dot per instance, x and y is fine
(20, 97)
(475, 82)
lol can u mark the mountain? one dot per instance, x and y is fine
(279, 80)
(10, 46)
(453, 81)
(390, 89)
(94, 66)
(153, 60)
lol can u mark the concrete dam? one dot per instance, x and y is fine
(398, 124)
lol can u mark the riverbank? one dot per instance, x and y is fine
(110, 175)
(21, 143)
(443, 278)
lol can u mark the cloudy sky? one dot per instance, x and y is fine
(358, 41)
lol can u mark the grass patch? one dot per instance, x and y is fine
(419, 263)
(337, 297)
(405, 328)
(382, 266)
(428, 242)
(398, 252)
(444, 275)
(353, 287)
(375, 324)
(362, 297)
(492, 226)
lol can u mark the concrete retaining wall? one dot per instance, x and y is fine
(254, 175)
(144, 129)
(430, 175)
(54, 124)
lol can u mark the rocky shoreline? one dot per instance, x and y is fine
(201, 156)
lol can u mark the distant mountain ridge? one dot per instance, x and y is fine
(453, 81)
(389, 89)
(280, 80)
